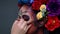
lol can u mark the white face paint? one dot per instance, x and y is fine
(25, 10)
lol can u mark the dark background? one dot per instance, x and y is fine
(8, 13)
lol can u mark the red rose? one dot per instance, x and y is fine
(44, 1)
(52, 23)
(36, 5)
(59, 21)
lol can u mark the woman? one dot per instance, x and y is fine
(25, 24)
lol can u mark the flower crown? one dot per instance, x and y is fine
(49, 9)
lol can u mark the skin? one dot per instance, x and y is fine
(26, 10)
(20, 25)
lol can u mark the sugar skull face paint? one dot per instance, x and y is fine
(26, 13)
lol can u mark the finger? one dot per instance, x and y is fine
(15, 22)
(20, 23)
(27, 27)
(14, 25)
(24, 24)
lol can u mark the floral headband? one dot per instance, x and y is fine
(47, 8)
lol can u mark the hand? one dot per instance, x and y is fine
(20, 27)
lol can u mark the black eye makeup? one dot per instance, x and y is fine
(25, 17)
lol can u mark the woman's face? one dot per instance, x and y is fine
(26, 14)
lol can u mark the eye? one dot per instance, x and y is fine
(26, 17)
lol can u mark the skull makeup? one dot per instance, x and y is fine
(26, 14)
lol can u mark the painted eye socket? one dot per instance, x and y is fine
(26, 17)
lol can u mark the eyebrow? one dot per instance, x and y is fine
(24, 11)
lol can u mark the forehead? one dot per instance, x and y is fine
(26, 9)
